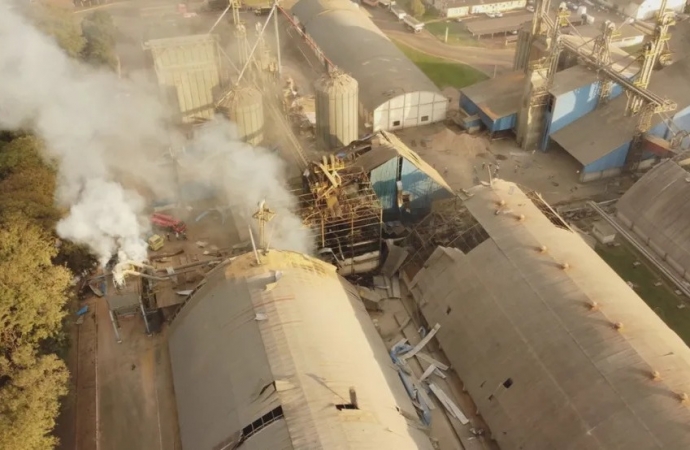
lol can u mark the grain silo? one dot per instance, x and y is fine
(336, 109)
(243, 105)
(281, 354)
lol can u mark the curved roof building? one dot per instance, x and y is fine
(556, 350)
(266, 356)
(393, 92)
(657, 209)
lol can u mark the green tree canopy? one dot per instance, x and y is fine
(417, 8)
(99, 33)
(60, 24)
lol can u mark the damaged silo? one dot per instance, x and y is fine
(337, 102)
(243, 105)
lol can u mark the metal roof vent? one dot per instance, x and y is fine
(501, 202)
(618, 326)
(594, 306)
(542, 249)
(683, 397)
(565, 266)
(520, 217)
(656, 376)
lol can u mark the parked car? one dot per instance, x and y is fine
(498, 14)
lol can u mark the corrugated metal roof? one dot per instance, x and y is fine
(546, 370)
(497, 97)
(355, 44)
(316, 341)
(189, 68)
(658, 206)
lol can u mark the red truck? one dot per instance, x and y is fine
(168, 223)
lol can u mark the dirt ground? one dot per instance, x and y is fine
(463, 160)
(136, 407)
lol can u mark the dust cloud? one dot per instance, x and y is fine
(100, 130)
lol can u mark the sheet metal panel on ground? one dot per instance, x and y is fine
(546, 370)
(287, 333)
(657, 208)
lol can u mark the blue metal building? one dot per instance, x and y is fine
(600, 140)
(496, 101)
(404, 183)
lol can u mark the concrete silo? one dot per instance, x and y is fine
(244, 107)
(337, 103)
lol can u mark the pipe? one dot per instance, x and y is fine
(143, 275)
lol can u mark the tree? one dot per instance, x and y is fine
(27, 183)
(30, 400)
(32, 289)
(60, 24)
(32, 307)
(417, 8)
(99, 33)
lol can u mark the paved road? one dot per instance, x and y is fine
(484, 59)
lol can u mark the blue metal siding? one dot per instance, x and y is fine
(383, 180)
(613, 160)
(681, 121)
(422, 188)
(571, 106)
(616, 90)
(468, 105)
(503, 123)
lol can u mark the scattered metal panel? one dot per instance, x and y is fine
(396, 257)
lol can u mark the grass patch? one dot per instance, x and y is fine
(457, 33)
(662, 299)
(442, 72)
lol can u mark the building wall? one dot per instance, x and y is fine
(468, 105)
(462, 11)
(410, 110)
(649, 8)
(607, 166)
(422, 188)
(681, 121)
(383, 179)
(501, 124)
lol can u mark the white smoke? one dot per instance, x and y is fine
(106, 135)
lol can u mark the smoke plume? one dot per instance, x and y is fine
(108, 135)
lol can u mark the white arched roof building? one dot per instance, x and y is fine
(393, 92)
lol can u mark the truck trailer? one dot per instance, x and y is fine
(413, 24)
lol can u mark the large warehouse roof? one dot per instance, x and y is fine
(658, 207)
(556, 350)
(355, 44)
(607, 128)
(265, 355)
